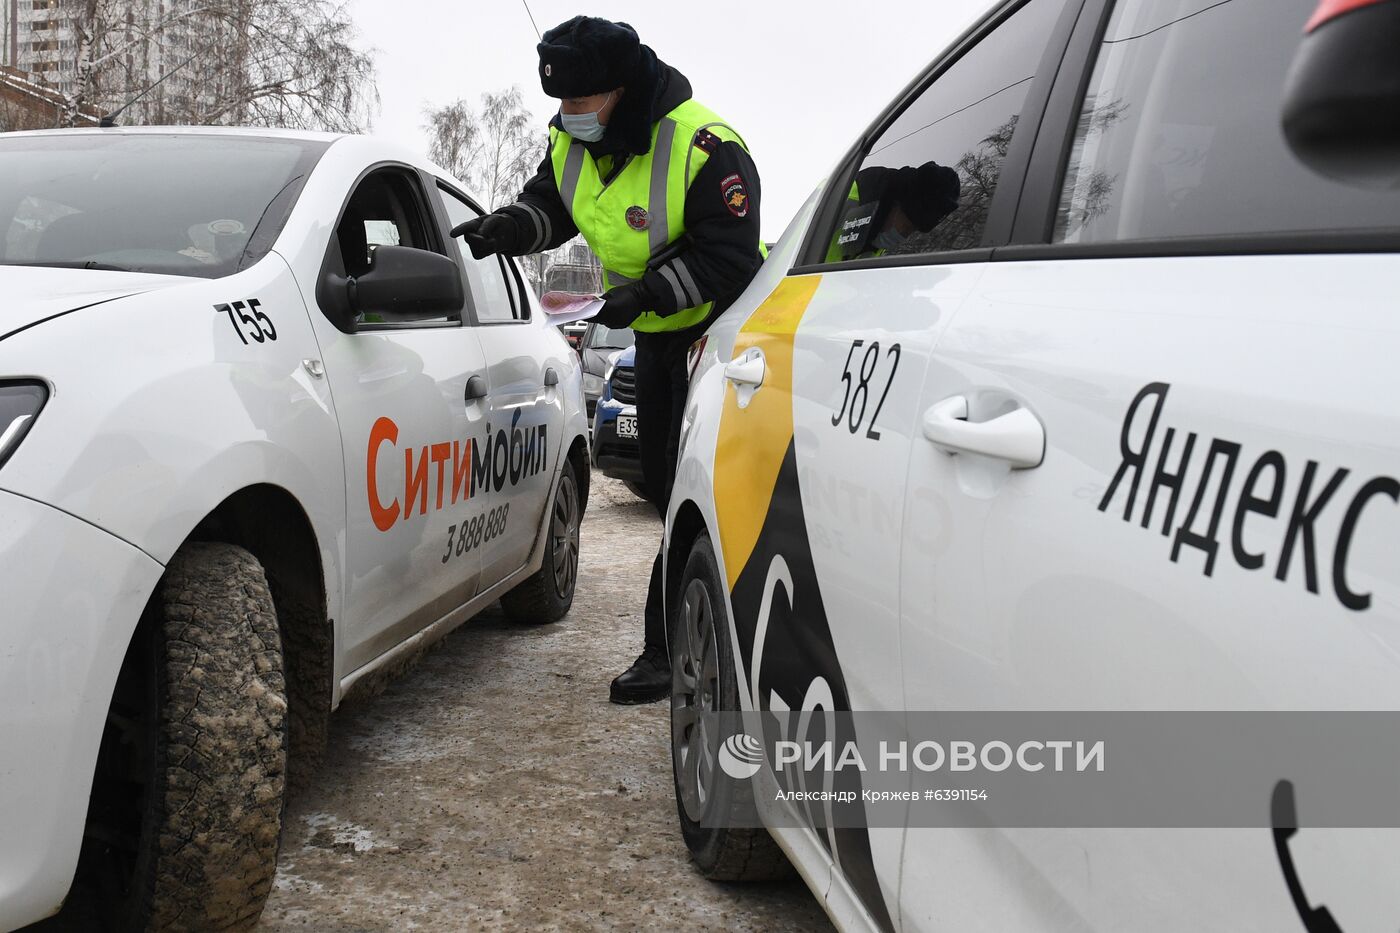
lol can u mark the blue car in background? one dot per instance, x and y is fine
(616, 452)
(598, 349)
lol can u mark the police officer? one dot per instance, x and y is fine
(666, 195)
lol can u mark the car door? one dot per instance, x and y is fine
(525, 408)
(817, 430)
(1205, 337)
(899, 244)
(412, 425)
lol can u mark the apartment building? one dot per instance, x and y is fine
(151, 46)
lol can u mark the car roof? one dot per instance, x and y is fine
(365, 146)
(242, 131)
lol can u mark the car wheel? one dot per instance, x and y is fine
(192, 771)
(703, 681)
(547, 596)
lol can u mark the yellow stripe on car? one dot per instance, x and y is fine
(753, 440)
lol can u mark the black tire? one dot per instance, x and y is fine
(702, 677)
(215, 766)
(637, 489)
(547, 595)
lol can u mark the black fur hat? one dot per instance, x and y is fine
(588, 55)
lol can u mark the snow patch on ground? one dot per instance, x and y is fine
(331, 832)
(411, 743)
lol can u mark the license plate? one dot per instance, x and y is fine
(627, 426)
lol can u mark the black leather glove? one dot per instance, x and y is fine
(621, 306)
(492, 233)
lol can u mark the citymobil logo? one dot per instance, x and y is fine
(741, 756)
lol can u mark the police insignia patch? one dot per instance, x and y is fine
(637, 217)
(735, 195)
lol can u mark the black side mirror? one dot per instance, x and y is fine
(407, 284)
(401, 284)
(1341, 112)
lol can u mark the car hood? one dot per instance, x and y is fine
(30, 294)
(596, 360)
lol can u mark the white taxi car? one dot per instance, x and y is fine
(264, 428)
(1107, 420)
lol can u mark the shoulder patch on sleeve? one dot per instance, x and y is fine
(735, 195)
(707, 141)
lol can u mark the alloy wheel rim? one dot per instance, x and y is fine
(695, 692)
(564, 528)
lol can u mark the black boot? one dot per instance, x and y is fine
(646, 681)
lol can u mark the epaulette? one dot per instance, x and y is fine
(707, 141)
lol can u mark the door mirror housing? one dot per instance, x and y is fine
(1341, 112)
(407, 284)
(402, 284)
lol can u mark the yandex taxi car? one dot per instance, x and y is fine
(1108, 423)
(264, 427)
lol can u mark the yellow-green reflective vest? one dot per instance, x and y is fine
(642, 210)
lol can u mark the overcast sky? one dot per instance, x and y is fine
(797, 80)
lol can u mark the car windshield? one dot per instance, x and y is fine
(611, 337)
(182, 204)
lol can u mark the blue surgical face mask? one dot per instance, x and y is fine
(890, 239)
(584, 126)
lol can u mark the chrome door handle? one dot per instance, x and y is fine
(746, 374)
(746, 371)
(1017, 437)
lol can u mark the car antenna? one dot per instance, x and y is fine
(526, 5)
(110, 120)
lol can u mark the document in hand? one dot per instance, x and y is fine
(565, 307)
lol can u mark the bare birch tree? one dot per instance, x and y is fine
(511, 147)
(284, 63)
(298, 67)
(494, 150)
(454, 138)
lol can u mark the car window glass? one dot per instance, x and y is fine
(386, 209)
(193, 204)
(600, 335)
(382, 233)
(927, 181)
(487, 276)
(31, 218)
(1179, 133)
